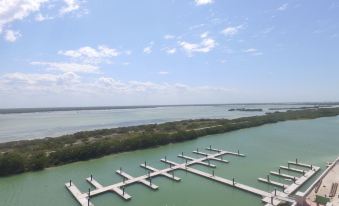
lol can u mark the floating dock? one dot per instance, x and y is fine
(307, 172)
(269, 198)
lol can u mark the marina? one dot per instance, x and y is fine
(257, 143)
(268, 198)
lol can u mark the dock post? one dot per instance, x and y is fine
(150, 181)
(182, 153)
(145, 163)
(89, 193)
(210, 147)
(272, 200)
(311, 167)
(296, 161)
(233, 181)
(275, 192)
(88, 201)
(213, 173)
(303, 172)
(268, 178)
(123, 190)
(279, 171)
(173, 174)
(70, 182)
(91, 177)
(238, 152)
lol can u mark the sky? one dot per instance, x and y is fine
(150, 52)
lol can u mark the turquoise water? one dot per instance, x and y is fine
(266, 147)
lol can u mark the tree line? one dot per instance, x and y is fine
(31, 155)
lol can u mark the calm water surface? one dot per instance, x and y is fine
(267, 147)
(43, 124)
(51, 124)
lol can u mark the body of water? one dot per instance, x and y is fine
(267, 147)
(19, 126)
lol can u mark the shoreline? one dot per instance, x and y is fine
(31, 155)
(90, 108)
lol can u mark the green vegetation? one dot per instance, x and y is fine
(29, 155)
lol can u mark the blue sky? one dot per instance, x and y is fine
(124, 52)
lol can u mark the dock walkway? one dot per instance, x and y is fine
(269, 198)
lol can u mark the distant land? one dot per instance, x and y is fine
(246, 110)
(30, 155)
(60, 109)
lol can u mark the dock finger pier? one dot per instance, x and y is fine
(284, 195)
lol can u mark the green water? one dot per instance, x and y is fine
(267, 147)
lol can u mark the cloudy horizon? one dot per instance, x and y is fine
(57, 53)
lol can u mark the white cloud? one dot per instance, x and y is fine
(147, 50)
(203, 2)
(71, 5)
(102, 85)
(231, 30)
(91, 55)
(163, 72)
(170, 50)
(40, 84)
(204, 35)
(205, 46)
(13, 10)
(68, 67)
(283, 7)
(12, 36)
(250, 50)
(17, 10)
(70, 89)
(40, 78)
(253, 51)
(169, 36)
(39, 17)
